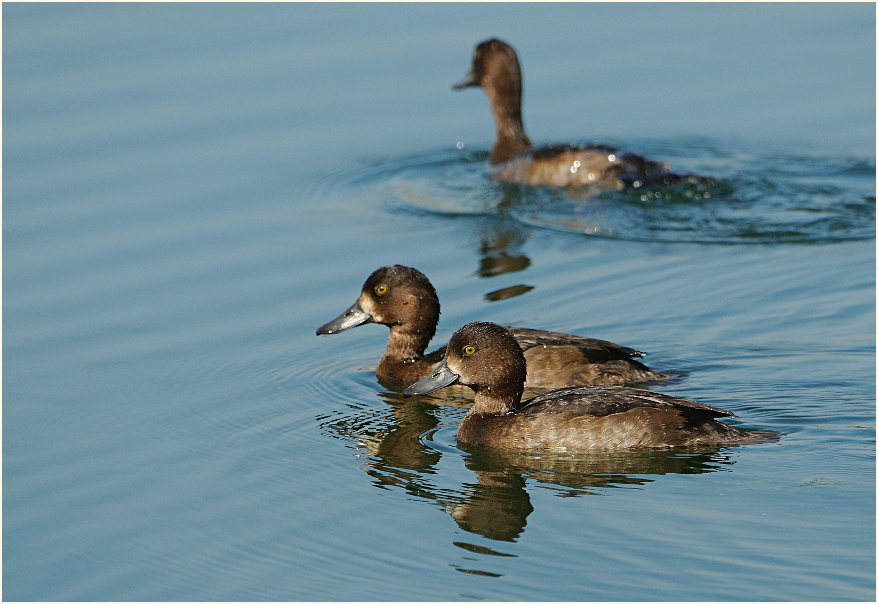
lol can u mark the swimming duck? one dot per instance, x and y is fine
(514, 159)
(487, 358)
(403, 298)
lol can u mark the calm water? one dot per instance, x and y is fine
(190, 190)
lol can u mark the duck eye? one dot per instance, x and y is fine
(381, 289)
(468, 350)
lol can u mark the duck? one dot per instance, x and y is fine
(486, 358)
(402, 298)
(515, 159)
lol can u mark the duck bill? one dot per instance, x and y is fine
(352, 317)
(441, 377)
(467, 81)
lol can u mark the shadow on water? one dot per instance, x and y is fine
(754, 197)
(395, 442)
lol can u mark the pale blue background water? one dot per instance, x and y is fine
(190, 190)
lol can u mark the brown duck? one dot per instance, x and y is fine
(514, 158)
(403, 298)
(486, 358)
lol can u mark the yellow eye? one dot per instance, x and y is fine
(469, 350)
(381, 289)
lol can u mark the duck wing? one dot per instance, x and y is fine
(599, 401)
(592, 349)
(598, 166)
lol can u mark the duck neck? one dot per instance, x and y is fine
(497, 401)
(511, 137)
(403, 345)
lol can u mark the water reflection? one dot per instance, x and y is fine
(480, 551)
(502, 237)
(501, 240)
(758, 197)
(390, 439)
(505, 293)
(498, 505)
(500, 248)
(398, 451)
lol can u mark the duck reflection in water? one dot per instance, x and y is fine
(500, 254)
(388, 438)
(500, 248)
(398, 451)
(498, 504)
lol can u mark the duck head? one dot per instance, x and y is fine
(486, 358)
(396, 296)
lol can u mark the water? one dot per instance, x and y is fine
(190, 190)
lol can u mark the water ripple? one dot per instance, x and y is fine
(760, 198)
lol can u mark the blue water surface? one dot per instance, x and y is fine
(191, 189)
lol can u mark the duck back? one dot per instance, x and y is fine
(598, 167)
